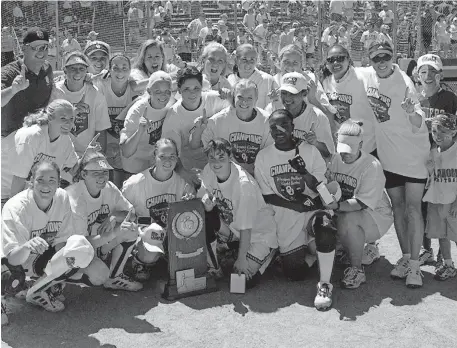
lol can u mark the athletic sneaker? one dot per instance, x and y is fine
(342, 258)
(5, 320)
(445, 272)
(353, 278)
(123, 282)
(141, 271)
(57, 291)
(323, 299)
(370, 254)
(414, 277)
(25, 287)
(46, 300)
(426, 256)
(400, 270)
(439, 260)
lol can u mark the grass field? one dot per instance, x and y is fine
(278, 313)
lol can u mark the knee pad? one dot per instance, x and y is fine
(294, 265)
(213, 224)
(13, 278)
(324, 233)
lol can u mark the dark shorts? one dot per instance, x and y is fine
(397, 180)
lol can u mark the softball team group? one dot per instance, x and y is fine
(87, 180)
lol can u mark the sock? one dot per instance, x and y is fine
(406, 256)
(325, 265)
(448, 262)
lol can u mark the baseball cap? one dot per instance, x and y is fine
(97, 163)
(36, 34)
(214, 27)
(75, 58)
(77, 253)
(430, 59)
(348, 143)
(293, 82)
(151, 244)
(159, 76)
(380, 48)
(96, 46)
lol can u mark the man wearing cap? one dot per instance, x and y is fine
(70, 44)
(311, 124)
(91, 108)
(27, 82)
(99, 212)
(434, 100)
(92, 36)
(98, 53)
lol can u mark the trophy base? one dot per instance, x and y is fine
(171, 293)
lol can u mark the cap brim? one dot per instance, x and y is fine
(96, 166)
(381, 51)
(154, 248)
(344, 148)
(39, 42)
(290, 89)
(433, 65)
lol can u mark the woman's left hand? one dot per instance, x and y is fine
(407, 103)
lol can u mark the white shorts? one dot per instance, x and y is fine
(440, 224)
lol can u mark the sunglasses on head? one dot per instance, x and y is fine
(381, 58)
(339, 59)
(40, 48)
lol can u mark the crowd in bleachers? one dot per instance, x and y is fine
(299, 162)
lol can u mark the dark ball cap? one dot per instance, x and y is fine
(36, 34)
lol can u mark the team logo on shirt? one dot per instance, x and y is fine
(446, 175)
(116, 125)
(225, 207)
(291, 185)
(348, 184)
(379, 103)
(97, 217)
(158, 207)
(155, 131)
(49, 232)
(245, 146)
(82, 117)
(342, 102)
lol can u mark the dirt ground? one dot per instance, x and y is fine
(278, 313)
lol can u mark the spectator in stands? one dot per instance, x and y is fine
(98, 53)
(183, 46)
(453, 34)
(428, 20)
(384, 34)
(204, 32)
(329, 36)
(70, 44)
(7, 45)
(343, 37)
(169, 7)
(249, 20)
(194, 28)
(285, 39)
(213, 36)
(348, 10)
(92, 36)
(336, 10)
(310, 47)
(441, 36)
(369, 36)
(263, 14)
(26, 83)
(169, 44)
(134, 18)
(214, 62)
(223, 31)
(17, 15)
(260, 35)
(231, 42)
(242, 37)
(386, 15)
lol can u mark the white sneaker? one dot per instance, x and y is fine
(400, 270)
(370, 254)
(123, 282)
(323, 299)
(353, 278)
(46, 300)
(414, 278)
(426, 256)
(445, 272)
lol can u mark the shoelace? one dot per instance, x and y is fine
(352, 271)
(324, 290)
(417, 271)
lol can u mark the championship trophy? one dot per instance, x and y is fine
(187, 250)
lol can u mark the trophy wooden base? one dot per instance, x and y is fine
(171, 293)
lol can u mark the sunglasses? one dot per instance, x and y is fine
(381, 58)
(339, 59)
(40, 48)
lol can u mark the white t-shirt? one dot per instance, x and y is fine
(90, 212)
(151, 197)
(241, 205)
(348, 96)
(402, 148)
(265, 82)
(364, 180)
(144, 155)
(368, 38)
(91, 115)
(22, 220)
(247, 138)
(275, 176)
(442, 187)
(30, 145)
(115, 106)
(180, 122)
